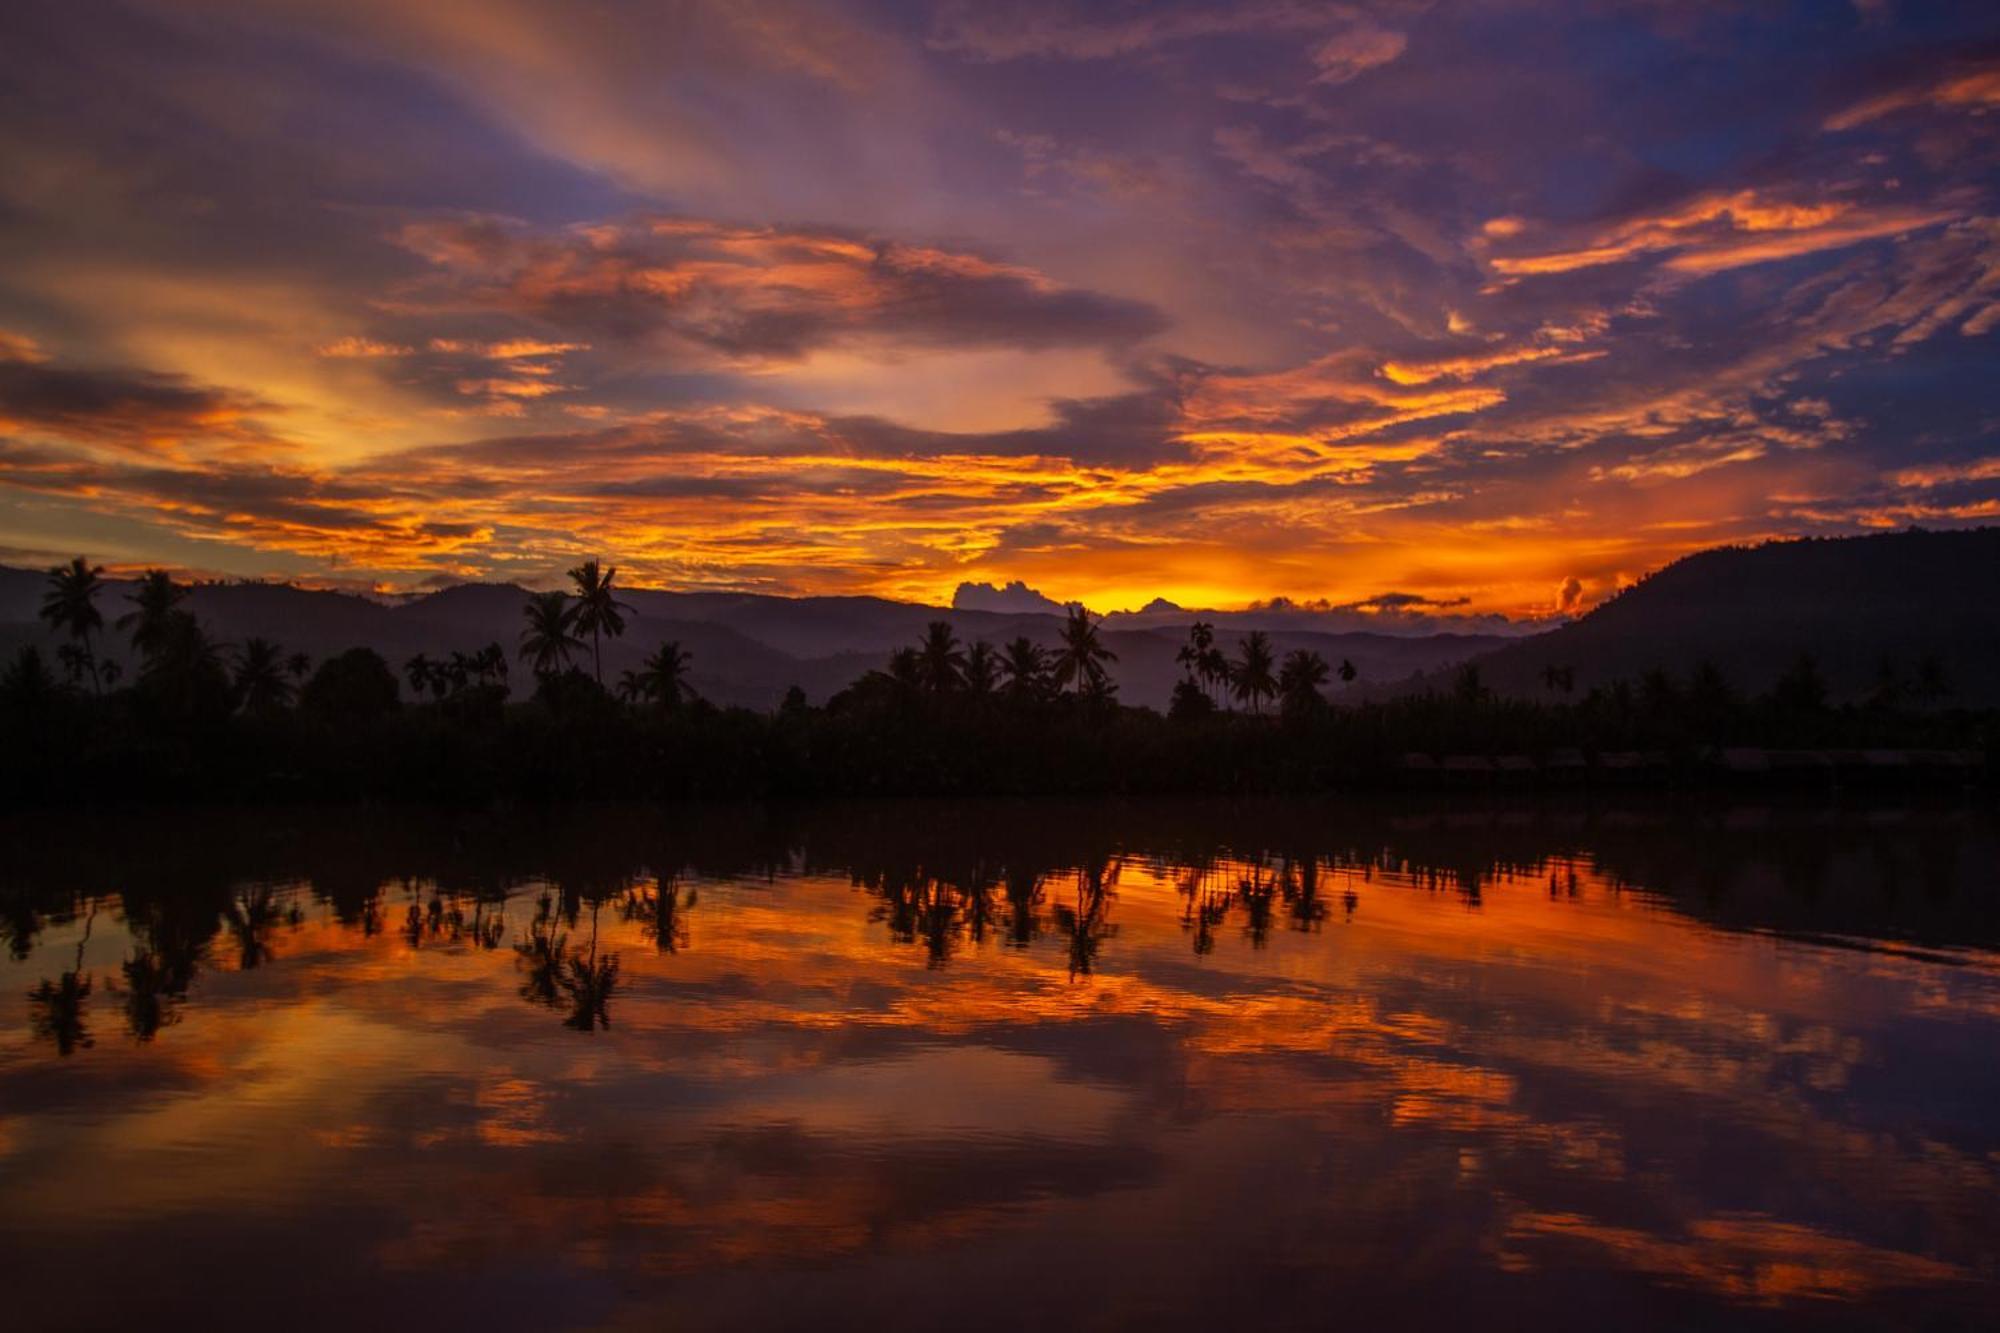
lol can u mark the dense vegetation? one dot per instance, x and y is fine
(250, 721)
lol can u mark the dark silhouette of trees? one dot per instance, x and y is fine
(184, 670)
(70, 607)
(1801, 689)
(262, 688)
(154, 605)
(1025, 667)
(1932, 686)
(598, 612)
(1347, 672)
(662, 680)
(982, 668)
(1081, 655)
(351, 687)
(940, 660)
(548, 640)
(1250, 677)
(1299, 682)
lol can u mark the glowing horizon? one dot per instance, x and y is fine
(1216, 302)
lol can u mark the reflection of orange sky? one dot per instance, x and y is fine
(363, 1067)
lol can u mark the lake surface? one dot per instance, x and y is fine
(1021, 1065)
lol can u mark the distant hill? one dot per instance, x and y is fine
(1849, 602)
(747, 649)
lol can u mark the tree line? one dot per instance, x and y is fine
(201, 717)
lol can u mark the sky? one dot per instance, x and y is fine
(1489, 306)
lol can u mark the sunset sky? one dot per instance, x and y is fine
(1496, 302)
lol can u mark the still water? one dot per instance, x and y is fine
(1003, 1066)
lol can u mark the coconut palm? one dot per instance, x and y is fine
(70, 607)
(261, 686)
(982, 668)
(1300, 678)
(154, 607)
(1193, 656)
(299, 666)
(184, 666)
(1081, 655)
(1026, 668)
(598, 613)
(940, 661)
(420, 671)
(663, 677)
(1250, 677)
(547, 642)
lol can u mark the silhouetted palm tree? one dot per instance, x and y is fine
(184, 667)
(1933, 685)
(982, 668)
(663, 678)
(1250, 677)
(940, 662)
(1026, 668)
(598, 613)
(261, 687)
(299, 666)
(1081, 656)
(418, 671)
(1299, 680)
(547, 642)
(154, 606)
(1193, 655)
(70, 607)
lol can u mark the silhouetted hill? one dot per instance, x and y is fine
(747, 648)
(1849, 602)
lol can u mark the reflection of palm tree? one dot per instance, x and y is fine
(1257, 891)
(153, 992)
(598, 612)
(588, 982)
(662, 910)
(1300, 885)
(1024, 898)
(1207, 905)
(542, 951)
(1081, 655)
(547, 642)
(1085, 925)
(250, 918)
(56, 1008)
(70, 606)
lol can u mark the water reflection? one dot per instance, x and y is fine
(1188, 1064)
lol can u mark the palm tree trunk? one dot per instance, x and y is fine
(597, 653)
(90, 656)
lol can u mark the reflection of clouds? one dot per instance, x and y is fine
(1751, 1260)
(798, 1086)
